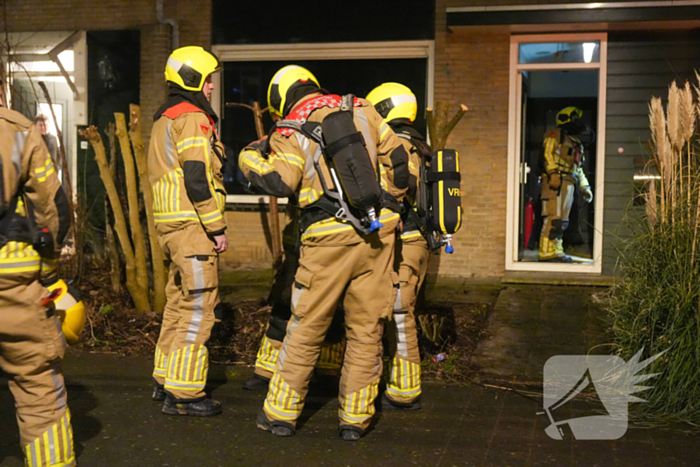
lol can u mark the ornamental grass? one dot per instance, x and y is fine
(656, 304)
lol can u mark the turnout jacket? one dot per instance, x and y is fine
(32, 197)
(289, 169)
(185, 170)
(563, 153)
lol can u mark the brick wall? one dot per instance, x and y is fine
(249, 240)
(470, 70)
(194, 19)
(473, 70)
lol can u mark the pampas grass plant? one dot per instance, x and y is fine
(656, 305)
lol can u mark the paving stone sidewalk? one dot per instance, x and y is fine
(116, 423)
(531, 323)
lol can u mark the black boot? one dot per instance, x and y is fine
(276, 427)
(350, 432)
(158, 392)
(388, 404)
(200, 408)
(256, 383)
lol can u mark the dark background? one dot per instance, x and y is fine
(540, 117)
(113, 84)
(246, 82)
(279, 21)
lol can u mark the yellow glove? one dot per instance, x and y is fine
(587, 194)
(554, 181)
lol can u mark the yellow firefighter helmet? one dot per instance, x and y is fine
(189, 66)
(286, 87)
(568, 114)
(394, 100)
(70, 309)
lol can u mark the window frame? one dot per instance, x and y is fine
(319, 51)
(514, 144)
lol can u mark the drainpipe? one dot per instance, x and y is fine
(175, 35)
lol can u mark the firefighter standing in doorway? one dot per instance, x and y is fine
(335, 258)
(397, 105)
(34, 221)
(563, 168)
(184, 163)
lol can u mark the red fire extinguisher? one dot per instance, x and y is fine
(529, 221)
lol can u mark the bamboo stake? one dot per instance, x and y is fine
(275, 234)
(159, 275)
(112, 252)
(132, 196)
(138, 291)
(439, 128)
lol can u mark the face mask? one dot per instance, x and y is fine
(579, 129)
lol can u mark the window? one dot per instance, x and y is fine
(548, 75)
(340, 68)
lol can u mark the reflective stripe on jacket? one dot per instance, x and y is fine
(29, 178)
(186, 172)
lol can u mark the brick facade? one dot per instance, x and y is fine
(473, 70)
(468, 69)
(249, 240)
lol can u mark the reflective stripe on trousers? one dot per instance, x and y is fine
(267, 356)
(54, 448)
(188, 368)
(358, 407)
(282, 402)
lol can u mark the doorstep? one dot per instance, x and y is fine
(558, 278)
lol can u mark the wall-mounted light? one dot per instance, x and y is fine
(588, 49)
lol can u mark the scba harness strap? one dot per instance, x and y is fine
(357, 193)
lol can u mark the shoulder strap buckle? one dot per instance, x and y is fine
(348, 103)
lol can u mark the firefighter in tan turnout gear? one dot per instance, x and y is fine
(184, 162)
(34, 221)
(563, 161)
(397, 104)
(342, 251)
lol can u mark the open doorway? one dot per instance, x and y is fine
(556, 156)
(545, 94)
(58, 60)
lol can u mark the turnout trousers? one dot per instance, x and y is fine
(181, 360)
(404, 378)
(31, 350)
(333, 347)
(556, 206)
(363, 272)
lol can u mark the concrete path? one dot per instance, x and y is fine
(531, 323)
(116, 424)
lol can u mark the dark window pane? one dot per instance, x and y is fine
(246, 82)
